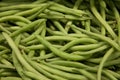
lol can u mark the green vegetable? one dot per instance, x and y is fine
(59, 40)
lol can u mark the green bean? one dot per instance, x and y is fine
(54, 38)
(43, 57)
(116, 13)
(8, 66)
(24, 48)
(59, 67)
(3, 74)
(23, 29)
(16, 62)
(112, 62)
(26, 34)
(19, 18)
(105, 57)
(54, 32)
(33, 75)
(87, 25)
(77, 35)
(115, 56)
(40, 46)
(114, 74)
(28, 12)
(59, 40)
(59, 52)
(4, 51)
(95, 60)
(43, 33)
(2, 4)
(59, 26)
(50, 12)
(73, 48)
(34, 47)
(63, 74)
(109, 75)
(53, 59)
(19, 67)
(7, 13)
(63, 17)
(70, 64)
(11, 78)
(31, 53)
(76, 31)
(91, 52)
(39, 1)
(106, 39)
(2, 47)
(27, 27)
(94, 30)
(71, 70)
(4, 29)
(38, 31)
(67, 38)
(12, 28)
(78, 41)
(15, 7)
(18, 54)
(39, 12)
(102, 10)
(66, 3)
(103, 22)
(6, 62)
(85, 73)
(21, 24)
(37, 66)
(42, 53)
(61, 8)
(86, 47)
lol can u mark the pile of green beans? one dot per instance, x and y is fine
(59, 40)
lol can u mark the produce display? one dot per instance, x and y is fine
(59, 40)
